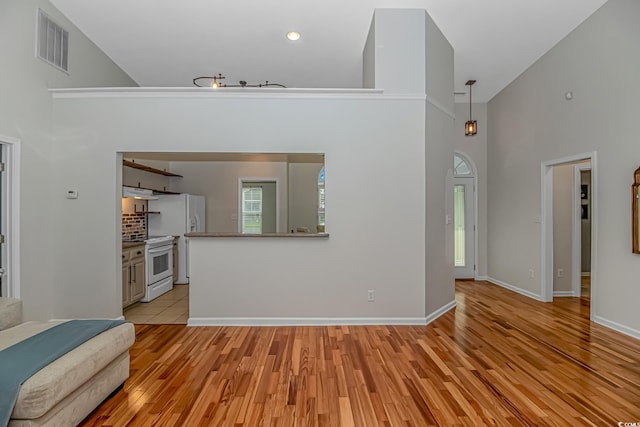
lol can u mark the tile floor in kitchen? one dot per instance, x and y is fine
(172, 308)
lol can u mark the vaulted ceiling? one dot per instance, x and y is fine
(168, 43)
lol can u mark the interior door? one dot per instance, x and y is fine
(464, 228)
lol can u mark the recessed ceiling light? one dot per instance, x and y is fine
(293, 35)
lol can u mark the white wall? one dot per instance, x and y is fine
(368, 134)
(303, 195)
(409, 267)
(25, 113)
(563, 200)
(531, 122)
(395, 47)
(218, 182)
(475, 149)
(439, 137)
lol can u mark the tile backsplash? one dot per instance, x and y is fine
(134, 223)
(134, 226)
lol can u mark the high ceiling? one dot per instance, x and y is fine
(168, 43)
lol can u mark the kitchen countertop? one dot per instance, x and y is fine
(285, 235)
(126, 245)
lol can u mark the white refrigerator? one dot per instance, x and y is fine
(179, 214)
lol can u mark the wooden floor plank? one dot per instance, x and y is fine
(498, 359)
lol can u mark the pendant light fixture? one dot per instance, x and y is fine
(471, 126)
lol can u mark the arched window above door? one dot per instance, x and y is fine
(461, 166)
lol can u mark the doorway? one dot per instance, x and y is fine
(547, 226)
(9, 217)
(582, 230)
(259, 209)
(464, 218)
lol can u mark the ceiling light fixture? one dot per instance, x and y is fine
(216, 82)
(471, 126)
(293, 35)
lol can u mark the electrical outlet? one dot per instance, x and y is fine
(531, 275)
(371, 295)
(561, 272)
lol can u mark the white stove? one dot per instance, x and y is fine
(158, 252)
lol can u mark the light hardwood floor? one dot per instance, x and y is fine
(498, 359)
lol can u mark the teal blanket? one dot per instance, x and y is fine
(22, 360)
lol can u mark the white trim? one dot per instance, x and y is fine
(585, 274)
(11, 189)
(563, 294)
(515, 289)
(304, 321)
(241, 181)
(235, 93)
(576, 243)
(439, 312)
(440, 107)
(546, 222)
(616, 326)
(485, 278)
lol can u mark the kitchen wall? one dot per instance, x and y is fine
(303, 195)
(134, 223)
(376, 145)
(367, 129)
(218, 182)
(26, 114)
(531, 122)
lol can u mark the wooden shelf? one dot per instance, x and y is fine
(155, 190)
(145, 168)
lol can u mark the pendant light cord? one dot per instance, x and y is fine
(470, 102)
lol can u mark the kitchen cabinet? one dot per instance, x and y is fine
(133, 275)
(175, 260)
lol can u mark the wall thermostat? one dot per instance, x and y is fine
(72, 194)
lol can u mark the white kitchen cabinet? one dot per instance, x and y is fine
(133, 275)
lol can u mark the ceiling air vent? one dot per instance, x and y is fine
(53, 42)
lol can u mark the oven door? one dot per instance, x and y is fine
(159, 263)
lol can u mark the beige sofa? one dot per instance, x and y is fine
(67, 390)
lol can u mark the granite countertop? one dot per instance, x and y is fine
(285, 235)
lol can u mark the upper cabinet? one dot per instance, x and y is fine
(149, 175)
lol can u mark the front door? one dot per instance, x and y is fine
(463, 228)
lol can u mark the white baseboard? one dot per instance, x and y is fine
(617, 327)
(318, 321)
(560, 294)
(305, 321)
(585, 274)
(482, 278)
(515, 289)
(439, 312)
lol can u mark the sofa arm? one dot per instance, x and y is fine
(10, 312)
